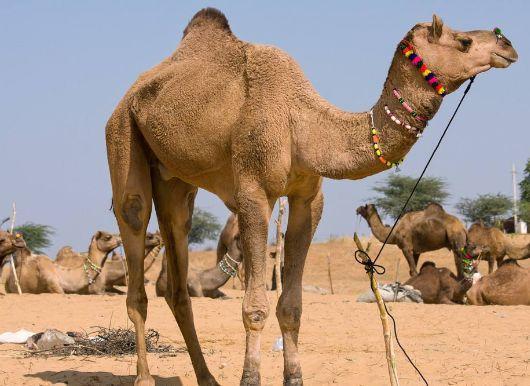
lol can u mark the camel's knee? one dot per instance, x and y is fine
(289, 316)
(131, 210)
(136, 304)
(254, 319)
(178, 301)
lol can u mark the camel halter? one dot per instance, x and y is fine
(408, 50)
(90, 265)
(228, 265)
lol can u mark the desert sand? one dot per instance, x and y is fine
(340, 340)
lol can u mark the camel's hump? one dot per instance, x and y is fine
(208, 16)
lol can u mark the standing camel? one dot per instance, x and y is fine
(421, 231)
(492, 244)
(242, 121)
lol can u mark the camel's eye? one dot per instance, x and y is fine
(107, 238)
(2, 241)
(465, 43)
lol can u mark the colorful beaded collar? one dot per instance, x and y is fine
(377, 147)
(417, 61)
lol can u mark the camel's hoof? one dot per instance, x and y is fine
(250, 378)
(295, 380)
(144, 381)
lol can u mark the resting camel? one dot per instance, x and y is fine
(509, 285)
(492, 245)
(38, 274)
(439, 285)
(242, 121)
(207, 282)
(114, 268)
(421, 231)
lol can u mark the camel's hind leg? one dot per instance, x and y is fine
(304, 216)
(131, 189)
(174, 201)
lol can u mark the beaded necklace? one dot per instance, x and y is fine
(417, 61)
(377, 147)
(407, 107)
(414, 130)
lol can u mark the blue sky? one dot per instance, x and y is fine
(66, 64)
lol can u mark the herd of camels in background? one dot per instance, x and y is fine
(101, 268)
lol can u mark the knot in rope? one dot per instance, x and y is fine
(369, 266)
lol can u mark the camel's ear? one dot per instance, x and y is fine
(97, 235)
(435, 30)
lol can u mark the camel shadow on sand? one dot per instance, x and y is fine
(89, 378)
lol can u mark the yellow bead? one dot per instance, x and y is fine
(426, 72)
(378, 152)
(408, 53)
(376, 146)
(388, 163)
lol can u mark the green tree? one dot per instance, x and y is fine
(524, 203)
(524, 211)
(488, 208)
(36, 236)
(525, 183)
(396, 188)
(204, 226)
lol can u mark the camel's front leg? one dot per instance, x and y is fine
(409, 255)
(304, 215)
(254, 212)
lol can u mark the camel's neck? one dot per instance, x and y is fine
(21, 256)
(337, 144)
(379, 230)
(151, 256)
(213, 278)
(95, 255)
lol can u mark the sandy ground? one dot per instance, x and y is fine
(340, 340)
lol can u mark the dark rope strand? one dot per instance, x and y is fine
(471, 80)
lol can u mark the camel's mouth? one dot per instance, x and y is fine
(502, 61)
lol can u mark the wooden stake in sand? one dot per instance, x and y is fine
(13, 218)
(329, 274)
(279, 247)
(387, 332)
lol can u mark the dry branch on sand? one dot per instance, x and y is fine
(108, 342)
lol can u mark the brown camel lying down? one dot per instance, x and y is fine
(420, 231)
(206, 283)
(439, 285)
(114, 268)
(509, 285)
(38, 274)
(492, 244)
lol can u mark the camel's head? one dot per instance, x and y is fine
(477, 251)
(456, 56)
(9, 244)
(366, 210)
(153, 240)
(106, 242)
